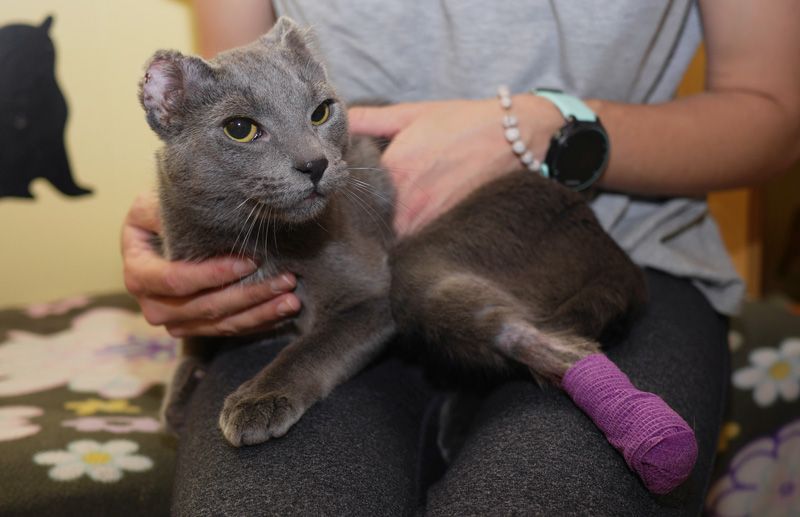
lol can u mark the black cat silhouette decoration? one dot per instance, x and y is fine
(33, 113)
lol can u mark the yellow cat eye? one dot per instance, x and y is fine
(321, 114)
(241, 129)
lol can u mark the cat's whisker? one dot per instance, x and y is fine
(365, 185)
(266, 233)
(370, 212)
(411, 186)
(275, 232)
(373, 191)
(244, 225)
(246, 239)
(358, 203)
(240, 205)
(323, 228)
(260, 217)
(369, 191)
(358, 188)
(243, 232)
(356, 181)
(247, 228)
(232, 212)
(267, 222)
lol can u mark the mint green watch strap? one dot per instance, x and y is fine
(568, 105)
(544, 170)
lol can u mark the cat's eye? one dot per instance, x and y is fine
(321, 114)
(241, 129)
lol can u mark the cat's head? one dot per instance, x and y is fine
(258, 123)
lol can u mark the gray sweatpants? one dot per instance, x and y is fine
(365, 450)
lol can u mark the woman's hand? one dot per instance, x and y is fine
(441, 151)
(198, 299)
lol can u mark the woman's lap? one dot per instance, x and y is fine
(354, 453)
(529, 450)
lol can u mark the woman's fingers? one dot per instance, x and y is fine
(383, 121)
(259, 318)
(203, 298)
(214, 304)
(147, 273)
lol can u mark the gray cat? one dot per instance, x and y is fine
(519, 277)
(255, 162)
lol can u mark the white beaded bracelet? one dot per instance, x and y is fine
(512, 134)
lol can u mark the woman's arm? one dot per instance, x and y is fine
(229, 24)
(744, 129)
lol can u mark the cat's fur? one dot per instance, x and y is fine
(520, 274)
(220, 197)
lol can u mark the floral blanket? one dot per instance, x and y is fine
(80, 386)
(81, 382)
(758, 466)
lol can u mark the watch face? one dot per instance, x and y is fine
(581, 156)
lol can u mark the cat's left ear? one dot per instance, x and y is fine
(299, 40)
(167, 83)
(288, 33)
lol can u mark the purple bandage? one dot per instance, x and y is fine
(655, 441)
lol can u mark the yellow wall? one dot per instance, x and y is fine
(58, 246)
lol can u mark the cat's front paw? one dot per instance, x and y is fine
(250, 416)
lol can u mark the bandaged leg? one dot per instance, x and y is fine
(654, 440)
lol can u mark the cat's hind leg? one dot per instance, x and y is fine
(476, 324)
(475, 321)
(655, 441)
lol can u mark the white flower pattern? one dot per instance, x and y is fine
(15, 422)
(773, 373)
(111, 352)
(103, 462)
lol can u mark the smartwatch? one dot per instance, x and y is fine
(579, 151)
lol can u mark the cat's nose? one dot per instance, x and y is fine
(315, 168)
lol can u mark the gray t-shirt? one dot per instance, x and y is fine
(627, 50)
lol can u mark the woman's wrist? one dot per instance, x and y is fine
(538, 120)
